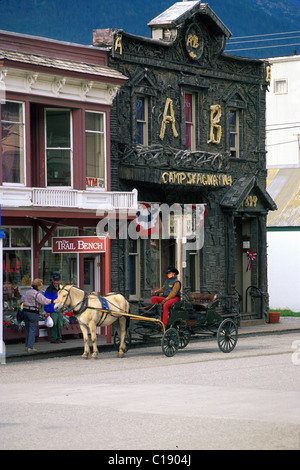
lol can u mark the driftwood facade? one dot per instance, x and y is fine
(188, 127)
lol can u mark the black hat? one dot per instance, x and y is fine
(172, 270)
(56, 276)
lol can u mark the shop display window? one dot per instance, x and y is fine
(17, 268)
(64, 263)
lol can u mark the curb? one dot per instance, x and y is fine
(77, 350)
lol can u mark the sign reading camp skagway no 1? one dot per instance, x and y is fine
(79, 245)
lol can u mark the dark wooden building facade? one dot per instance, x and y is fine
(188, 127)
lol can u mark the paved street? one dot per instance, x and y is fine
(199, 399)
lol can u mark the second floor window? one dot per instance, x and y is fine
(234, 136)
(189, 113)
(58, 147)
(95, 149)
(142, 120)
(13, 142)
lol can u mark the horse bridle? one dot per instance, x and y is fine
(73, 308)
(83, 302)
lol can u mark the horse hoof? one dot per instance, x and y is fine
(94, 357)
(85, 357)
(120, 354)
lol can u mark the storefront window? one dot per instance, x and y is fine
(12, 141)
(17, 265)
(64, 263)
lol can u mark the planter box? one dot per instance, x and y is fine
(10, 334)
(274, 317)
(72, 329)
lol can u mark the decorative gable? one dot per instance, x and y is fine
(247, 195)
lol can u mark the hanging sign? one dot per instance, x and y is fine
(79, 245)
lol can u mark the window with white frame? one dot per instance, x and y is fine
(189, 115)
(142, 120)
(234, 133)
(95, 149)
(58, 147)
(13, 142)
(17, 261)
(280, 86)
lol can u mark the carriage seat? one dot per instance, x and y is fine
(201, 302)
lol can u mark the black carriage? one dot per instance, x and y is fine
(199, 314)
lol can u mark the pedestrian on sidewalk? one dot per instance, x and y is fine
(32, 300)
(51, 293)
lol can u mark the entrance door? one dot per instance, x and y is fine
(243, 277)
(89, 274)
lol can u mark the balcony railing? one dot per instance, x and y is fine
(67, 198)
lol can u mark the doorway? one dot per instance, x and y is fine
(243, 242)
(92, 274)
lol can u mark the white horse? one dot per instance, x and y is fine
(90, 313)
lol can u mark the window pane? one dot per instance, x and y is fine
(188, 136)
(16, 268)
(6, 240)
(141, 120)
(95, 149)
(94, 122)
(232, 140)
(12, 112)
(132, 275)
(95, 155)
(58, 168)
(232, 121)
(155, 263)
(12, 142)
(140, 108)
(280, 86)
(188, 107)
(64, 263)
(58, 128)
(21, 237)
(139, 132)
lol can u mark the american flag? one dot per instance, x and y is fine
(146, 218)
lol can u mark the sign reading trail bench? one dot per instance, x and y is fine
(79, 245)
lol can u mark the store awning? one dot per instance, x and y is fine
(283, 185)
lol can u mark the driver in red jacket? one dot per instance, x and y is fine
(170, 293)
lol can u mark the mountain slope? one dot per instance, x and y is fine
(75, 20)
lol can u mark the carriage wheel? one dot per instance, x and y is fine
(184, 338)
(170, 342)
(227, 335)
(127, 340)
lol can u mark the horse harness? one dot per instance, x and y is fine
(83, 306)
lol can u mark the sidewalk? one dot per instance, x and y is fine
(16, 352)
